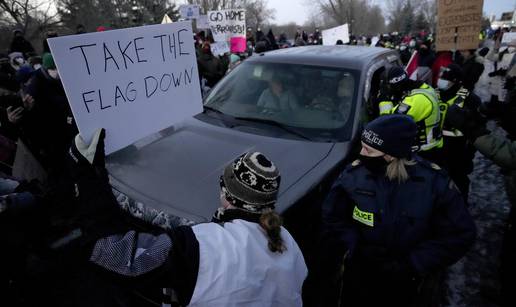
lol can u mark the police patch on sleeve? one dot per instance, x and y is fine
(363, 217)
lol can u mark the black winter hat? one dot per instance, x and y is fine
(251, 182)
(452, 72)
(391, 134)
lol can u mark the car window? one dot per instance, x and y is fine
(300, 96)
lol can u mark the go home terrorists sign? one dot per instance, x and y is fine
(133, 82)
(458, 24)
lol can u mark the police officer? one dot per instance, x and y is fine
(400, 95)
(457, 151)
(397, 218)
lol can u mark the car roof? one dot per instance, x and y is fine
(354, 57)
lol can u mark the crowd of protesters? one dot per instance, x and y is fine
(441, 99)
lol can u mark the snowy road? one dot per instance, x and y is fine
(473, 281)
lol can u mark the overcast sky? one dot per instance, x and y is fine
(298, 11)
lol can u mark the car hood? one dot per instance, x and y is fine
(178, 171)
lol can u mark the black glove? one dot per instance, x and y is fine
(499, 72)
(470, 122)
(95, 212)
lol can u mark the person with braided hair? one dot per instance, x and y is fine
(244, 257)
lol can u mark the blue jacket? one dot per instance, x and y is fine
(423, 221)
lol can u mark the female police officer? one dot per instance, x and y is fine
(396, 217)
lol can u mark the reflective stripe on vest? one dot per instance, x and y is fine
(430, 135)
(385, 107)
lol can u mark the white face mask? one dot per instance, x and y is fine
(444, 84)
(412, 44)
(53, 73)
(402, 48)
(511, 49)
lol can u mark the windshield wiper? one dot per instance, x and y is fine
(276, 124)
(205, 107)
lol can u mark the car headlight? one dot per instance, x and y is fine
(149, 215)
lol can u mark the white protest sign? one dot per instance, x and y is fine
(226, 24)
(508, 37)
(191, 11)
(219, 48)
(202, 22)
(374, 41)
(133, 82)
(331, 36)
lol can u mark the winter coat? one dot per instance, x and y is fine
(49, 127)
(497, 83)
(211, 68)
(472, 68)
(20, 44)
(422, 222)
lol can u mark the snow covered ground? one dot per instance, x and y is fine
(473, 281)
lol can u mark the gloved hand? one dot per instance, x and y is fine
(500, 72)
(95, 212)
(470, 122)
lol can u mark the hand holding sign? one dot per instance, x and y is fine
(133, 82)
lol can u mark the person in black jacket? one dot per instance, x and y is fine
(394, 218)
(20, 44)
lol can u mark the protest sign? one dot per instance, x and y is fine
(219, 48)
(508, 37)
(189, 11)
(202, 22)
(133, 82)
(374, 41)
(459, 24)
(331, 36)
(229, 26)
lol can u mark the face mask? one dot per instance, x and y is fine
(53, 73)
(412, 44)
(37, 66)
(444, 84)
(376, 165)
(402, 48)
(511, 49)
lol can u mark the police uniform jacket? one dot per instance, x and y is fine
(423, 220)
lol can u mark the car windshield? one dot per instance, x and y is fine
(319, 101)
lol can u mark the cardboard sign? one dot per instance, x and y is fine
(219, 48)
(508, 37)
(202, 22)
(189, 11)
(331, 36)
(133, 82)
(459, 24)
(226, 24)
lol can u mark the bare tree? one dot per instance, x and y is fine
(356, 13)
(32, 17)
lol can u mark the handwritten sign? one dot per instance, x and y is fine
(458, 24)
(219, 48)
(508, 37)
(229, 26)
(191, 11)
(331, 36)
(202, 22)
(133, 82)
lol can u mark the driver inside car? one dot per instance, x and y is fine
(277, 96)
(340, 102)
